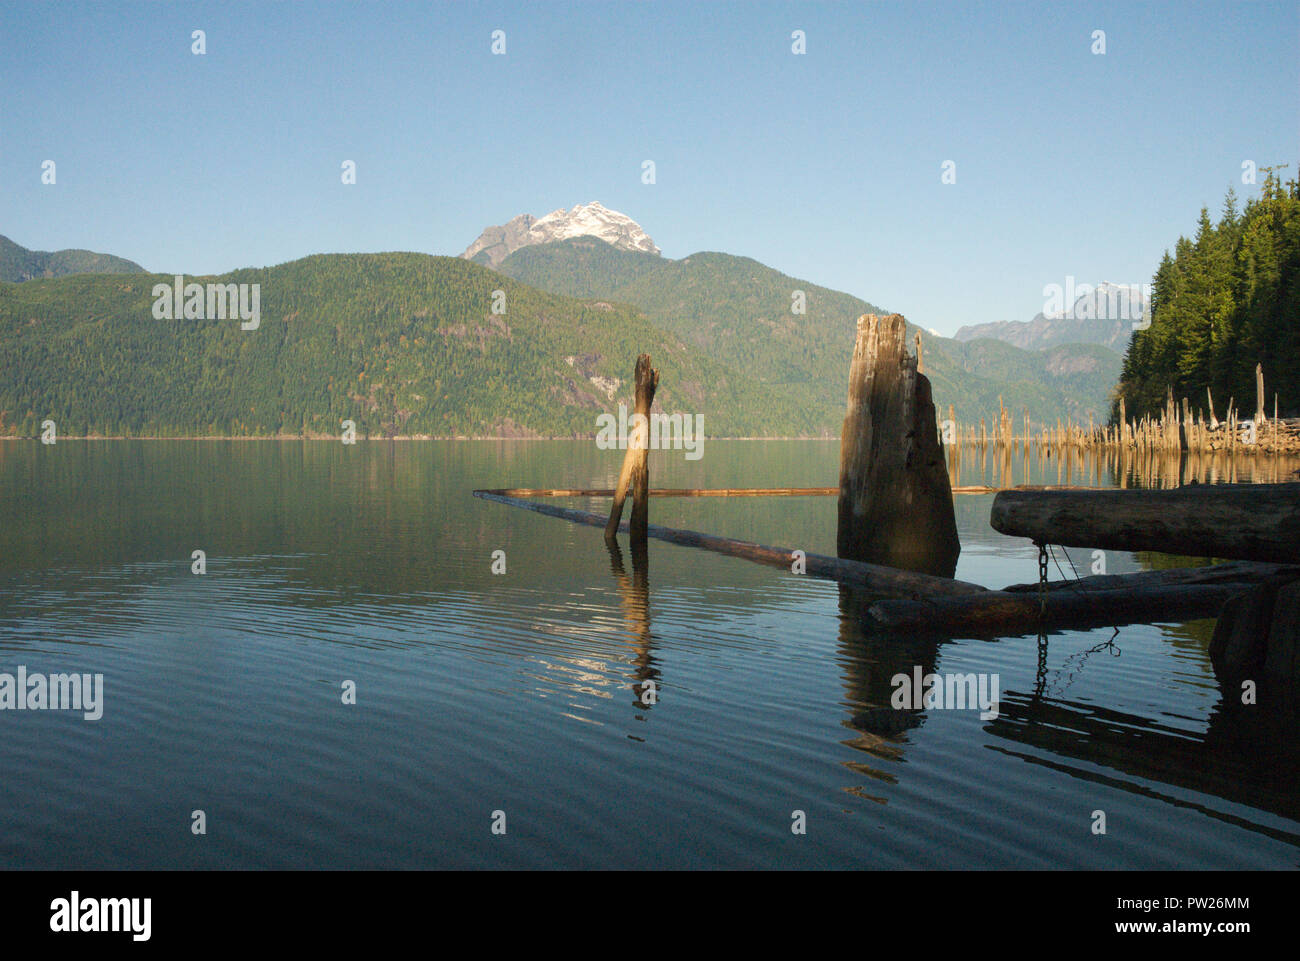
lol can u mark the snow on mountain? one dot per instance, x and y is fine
(619, 230)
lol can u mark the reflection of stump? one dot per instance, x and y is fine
(1257, 637)
(895, 498)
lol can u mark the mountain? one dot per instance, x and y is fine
(739, 312)
(408, 344)
(17, 263)
(1102, 315)
(618, 230)
(401, 343)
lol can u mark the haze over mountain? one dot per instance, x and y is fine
(616, 229)
(17, 263)
(1102, 315)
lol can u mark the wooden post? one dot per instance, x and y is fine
(1214, 421)
(895, 503)
(1260, 418)
(636, 470)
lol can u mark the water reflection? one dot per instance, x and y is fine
(634, 593)
(1246, 756)
(1020, 463)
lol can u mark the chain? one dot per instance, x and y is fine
(1042, 580)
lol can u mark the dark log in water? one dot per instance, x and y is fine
(636, 469)
(870, 577)
(1247, 521)
(895, 501)
(1006, 613)
(1109, 599)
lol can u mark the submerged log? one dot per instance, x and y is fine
(870, 577)
(895, 500)
(1246, 521)
(1007, 613)
(636, 470)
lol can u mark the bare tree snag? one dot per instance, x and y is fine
(636, 471)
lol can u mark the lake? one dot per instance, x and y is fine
(519, 699)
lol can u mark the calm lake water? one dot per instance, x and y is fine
(522, 692)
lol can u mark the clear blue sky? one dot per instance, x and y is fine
(826, 166)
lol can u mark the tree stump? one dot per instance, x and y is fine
(636, 471)
(895, 504)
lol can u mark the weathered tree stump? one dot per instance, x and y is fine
(636, 471)
(895, 503)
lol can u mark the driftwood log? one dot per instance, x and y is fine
(728, 491)
(895, 504)
(1245, 521)
(869, 577)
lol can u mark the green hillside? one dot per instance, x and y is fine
(17, 263)
(401, 343)
(738, 311)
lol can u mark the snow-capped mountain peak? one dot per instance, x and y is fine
(617, 229)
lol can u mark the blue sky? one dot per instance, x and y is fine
(826, 166)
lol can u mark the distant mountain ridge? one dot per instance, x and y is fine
(400, 343)
(739, 312)
(1102, 315)
(412, 345)
(18, 264)
(618, 230)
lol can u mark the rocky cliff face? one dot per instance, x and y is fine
(495, 244)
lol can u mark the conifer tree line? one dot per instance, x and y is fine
(1225, 301)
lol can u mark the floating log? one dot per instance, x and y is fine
(1110, 600)
(636, 468)
(895, 503)
(670, 491)
(730, 491)
(1247, 521)
(870, 577)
